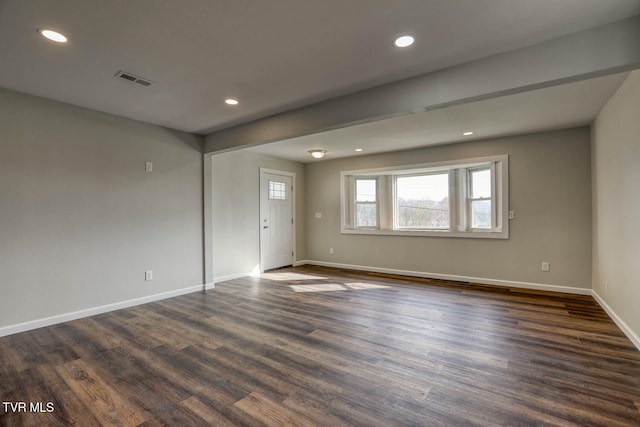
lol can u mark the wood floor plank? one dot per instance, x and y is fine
(105, 403)
(139, 384)
(403, 352)
(208, 414)
(103, 337)
(164, 319)
(206, 378)
(68, 407)
(271, 413)
(316, 409)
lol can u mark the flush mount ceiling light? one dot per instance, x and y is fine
(231, 101)
(317, 154)
(404, 41)
(468, 133)
(53, 35)
(358, 150)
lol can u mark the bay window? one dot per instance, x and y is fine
(463, 198)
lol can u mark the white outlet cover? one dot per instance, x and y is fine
(148, 167)
(318, 215)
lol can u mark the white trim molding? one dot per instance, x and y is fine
(225, 278)
(66, 317)
(499, 282)
(618, 321)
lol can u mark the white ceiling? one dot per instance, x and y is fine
(558, 107)
(273, 55)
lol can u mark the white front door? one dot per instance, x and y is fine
(276, 220)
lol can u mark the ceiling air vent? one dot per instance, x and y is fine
(133, 78)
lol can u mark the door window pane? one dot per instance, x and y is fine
(277, 190)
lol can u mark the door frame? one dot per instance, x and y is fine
(293, 212)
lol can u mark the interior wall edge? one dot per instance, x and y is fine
(626, 329)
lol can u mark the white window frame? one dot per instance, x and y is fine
(396, 225)
(459, 204)
(491, 168)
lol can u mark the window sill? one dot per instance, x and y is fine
(504, 234)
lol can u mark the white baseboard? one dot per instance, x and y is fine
(225, 278)
(60, 318)
(633, 337)
(621, 323)
(66, 317)
(48, 321)
(499, 282)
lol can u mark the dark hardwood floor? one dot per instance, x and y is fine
(254, 352)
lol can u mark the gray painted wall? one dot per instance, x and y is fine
(235, 210)
(550, 192)
(81, 220)
(616, 202)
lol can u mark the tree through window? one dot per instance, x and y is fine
(422, 201)
(366, 203)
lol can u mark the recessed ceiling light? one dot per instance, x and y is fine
(53, 35)
(317, 154)
(468, 133)
(231, 101)
(358, 150)
(404, 41)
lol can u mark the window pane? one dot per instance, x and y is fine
(481, 214)
(480, 183)
(277, 190)
(423, 201)
(365, 190)
(366, 215)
